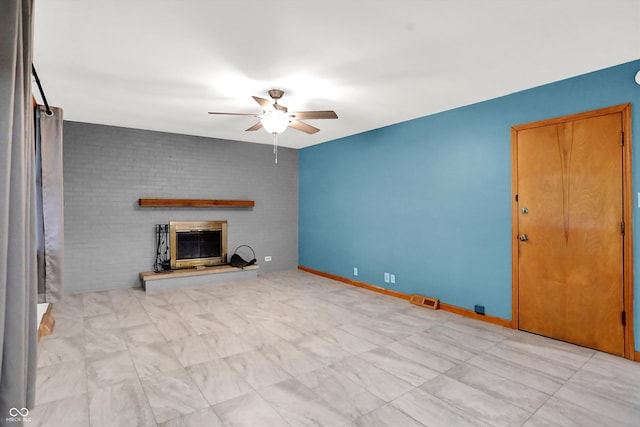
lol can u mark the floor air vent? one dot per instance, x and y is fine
(422, 301)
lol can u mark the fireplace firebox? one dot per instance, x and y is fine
(197, 243)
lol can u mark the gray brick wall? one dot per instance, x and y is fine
(109, 239)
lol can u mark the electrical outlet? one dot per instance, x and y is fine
(355, 271)
(267, 258)
(392, 277)
(386, 278)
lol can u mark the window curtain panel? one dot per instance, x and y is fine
(49, 203)
(18, 274)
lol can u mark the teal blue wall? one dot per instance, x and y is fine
(429, 200)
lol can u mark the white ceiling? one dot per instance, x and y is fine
(162, 65)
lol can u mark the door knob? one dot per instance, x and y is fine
(524, 211)
(523, 237)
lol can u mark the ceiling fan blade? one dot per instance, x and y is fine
(280, 107)
(236, 114)
(308, 115)
(255, 127)
(296, 124)
(264, 103)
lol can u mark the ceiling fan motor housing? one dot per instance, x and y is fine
(276, 94)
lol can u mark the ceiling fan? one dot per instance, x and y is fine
(276, 118)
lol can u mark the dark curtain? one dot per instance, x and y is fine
(18, 277)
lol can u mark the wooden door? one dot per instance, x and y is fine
(568, 230)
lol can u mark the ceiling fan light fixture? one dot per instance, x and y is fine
(275, 121)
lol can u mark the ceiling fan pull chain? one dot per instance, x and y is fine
(275, 146)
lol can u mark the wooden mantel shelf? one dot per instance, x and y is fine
(198, 203)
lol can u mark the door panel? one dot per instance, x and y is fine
(570, 271)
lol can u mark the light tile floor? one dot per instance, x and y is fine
(294, 349)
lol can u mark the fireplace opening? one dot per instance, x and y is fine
(197, 243)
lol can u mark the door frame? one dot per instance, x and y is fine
(627, 212)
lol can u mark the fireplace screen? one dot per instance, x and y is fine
(198, 243)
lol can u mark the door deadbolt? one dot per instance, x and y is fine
(523, 237)
(524, 211)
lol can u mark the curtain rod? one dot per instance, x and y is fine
(44, 98)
